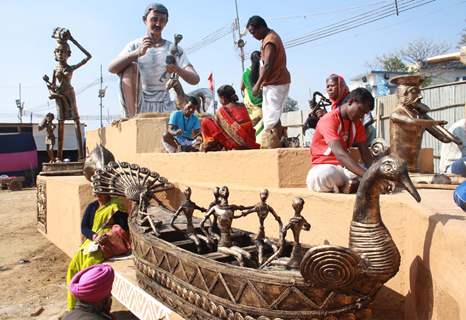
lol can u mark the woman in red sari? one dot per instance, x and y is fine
(231, 128)
(337, 90)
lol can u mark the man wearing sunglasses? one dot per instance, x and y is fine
(143, 67)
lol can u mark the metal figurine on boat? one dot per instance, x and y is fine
(225, 214)
(409, 121)
(332, 282)
(187, 208)
(263, 209)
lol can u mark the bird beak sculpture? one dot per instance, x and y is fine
(406, 182)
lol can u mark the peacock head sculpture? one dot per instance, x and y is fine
(372, 257)
(394, 169)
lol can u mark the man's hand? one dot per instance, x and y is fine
(173, 68)
(256, 90)
(146, 44)
(178, 132)
(319, 113)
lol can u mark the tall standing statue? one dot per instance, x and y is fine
(409, 120)
(62, 91)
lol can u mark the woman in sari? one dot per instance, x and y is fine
(337, 91)
(231, 128)
(253, 104)
(98, 219)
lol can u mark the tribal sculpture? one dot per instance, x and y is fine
(263, 209)
(224, 214)
(62, 91)
(187, 208)
(372, 257)
(97, 159)
(330, 282)
(409, 121)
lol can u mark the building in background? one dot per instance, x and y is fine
(377, 82)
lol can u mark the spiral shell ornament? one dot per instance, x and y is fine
(331, 267)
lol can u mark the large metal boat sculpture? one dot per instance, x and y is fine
(213, 272)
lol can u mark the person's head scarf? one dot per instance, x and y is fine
(342, 88)
(93, 284)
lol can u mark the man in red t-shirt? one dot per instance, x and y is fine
(332, 167)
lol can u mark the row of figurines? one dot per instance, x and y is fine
(221, 214)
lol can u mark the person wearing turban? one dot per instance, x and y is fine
(92, 289)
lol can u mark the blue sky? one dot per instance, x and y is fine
(103, 27)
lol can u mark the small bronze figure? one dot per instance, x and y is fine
(47, 124)
(187, 208)
(225, 213)
(62, 91)
(409, 121)
(296, 224)
(263, 209)
(214, 230)
(171, 58)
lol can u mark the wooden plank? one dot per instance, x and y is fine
(435, 186)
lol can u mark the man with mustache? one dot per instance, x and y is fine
(143, 68)
(409, 120)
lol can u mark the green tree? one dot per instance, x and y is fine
(415, 53)
(291, 105)
(392, 63)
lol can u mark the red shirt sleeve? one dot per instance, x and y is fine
(360, 132)
(328, 127)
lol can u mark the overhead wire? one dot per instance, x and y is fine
(355, 21)
(307, 15)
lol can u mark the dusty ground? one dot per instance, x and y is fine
(32, 270)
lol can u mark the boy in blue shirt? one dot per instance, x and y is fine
(183, 129)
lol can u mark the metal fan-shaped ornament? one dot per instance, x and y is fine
(130, 181)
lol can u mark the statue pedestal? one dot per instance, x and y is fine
(62, 169)
(136, 135)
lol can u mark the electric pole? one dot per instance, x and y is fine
(20, 106)
(101, 96)
(240, 43)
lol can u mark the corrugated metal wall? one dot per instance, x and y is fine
(447, 102)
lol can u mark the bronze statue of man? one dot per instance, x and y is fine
(187, 208)
(409, 120)
(47, 124)
(225, 213)
(263, 209)
(297, 223)
(62, 91)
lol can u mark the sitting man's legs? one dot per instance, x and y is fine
(169, 142)
(328, 178)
